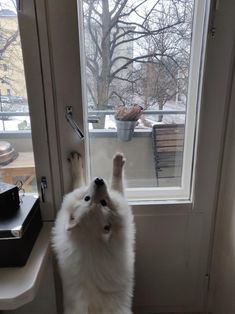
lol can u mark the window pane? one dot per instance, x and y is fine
(16, 152)
(139, 61)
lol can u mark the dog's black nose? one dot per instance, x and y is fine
(99, 181)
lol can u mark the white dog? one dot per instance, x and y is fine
(93, 239)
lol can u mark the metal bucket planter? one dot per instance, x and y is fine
(125, 130)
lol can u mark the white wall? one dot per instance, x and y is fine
(223, 271)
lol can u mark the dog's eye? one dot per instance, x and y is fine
(87, 198)
(103, 202)
(107, 228)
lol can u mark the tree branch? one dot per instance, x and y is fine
(143, 33)
(9, 41)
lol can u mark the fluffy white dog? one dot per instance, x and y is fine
(93, 239)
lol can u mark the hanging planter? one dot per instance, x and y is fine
(126, 119)
(125, 130)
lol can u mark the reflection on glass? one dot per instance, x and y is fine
(16, 152)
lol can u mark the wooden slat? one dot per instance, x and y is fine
(169, 163)
(168, 137)
(171, 149)
(169, 131)
(168, 145)
(171, 172)
(171, 143)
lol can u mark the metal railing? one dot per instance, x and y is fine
(13, 114)
(112, 112)
(93, 117)
(97, 112)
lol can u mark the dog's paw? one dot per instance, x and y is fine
(74, 157)
(118, 163)
(119, 160)
(76, 168)
(75, 161)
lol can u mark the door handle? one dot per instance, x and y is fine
(72, 122)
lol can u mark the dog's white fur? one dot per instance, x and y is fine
(94, 245)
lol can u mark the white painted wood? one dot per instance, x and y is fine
(35, 91)
(198, 46)
(19, 285)
(64, 56)
(223, 271)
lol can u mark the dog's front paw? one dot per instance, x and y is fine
(118, 163)
(119, 160)
(75, 160)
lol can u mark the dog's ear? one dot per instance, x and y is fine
(72, 223)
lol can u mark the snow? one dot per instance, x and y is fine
(12, 123)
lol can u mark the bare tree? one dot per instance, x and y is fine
(123, 35)
(165, 75)
(11, 61)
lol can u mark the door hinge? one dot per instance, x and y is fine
(43, 186)
(208, 278)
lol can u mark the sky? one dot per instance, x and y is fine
(8, 4)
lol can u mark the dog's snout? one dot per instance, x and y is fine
(99, 181)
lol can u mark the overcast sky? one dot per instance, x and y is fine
(8, 4)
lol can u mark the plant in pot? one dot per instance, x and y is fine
(126, 118)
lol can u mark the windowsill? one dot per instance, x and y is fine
(19, 285)
(152, 208)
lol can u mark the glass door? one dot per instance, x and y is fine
(139, 61)
(141, 90)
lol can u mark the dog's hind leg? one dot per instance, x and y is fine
(117, 178)
(76, 167)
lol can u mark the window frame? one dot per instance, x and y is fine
(28, 27)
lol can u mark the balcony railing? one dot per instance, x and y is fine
(143, 139)
(93, 117)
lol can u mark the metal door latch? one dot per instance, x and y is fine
(72, 122)
(43, 188)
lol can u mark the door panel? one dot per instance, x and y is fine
(66, 81)
(168, 253)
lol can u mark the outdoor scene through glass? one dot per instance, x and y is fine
(16, 151)
(138, 63)
(137, 73)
